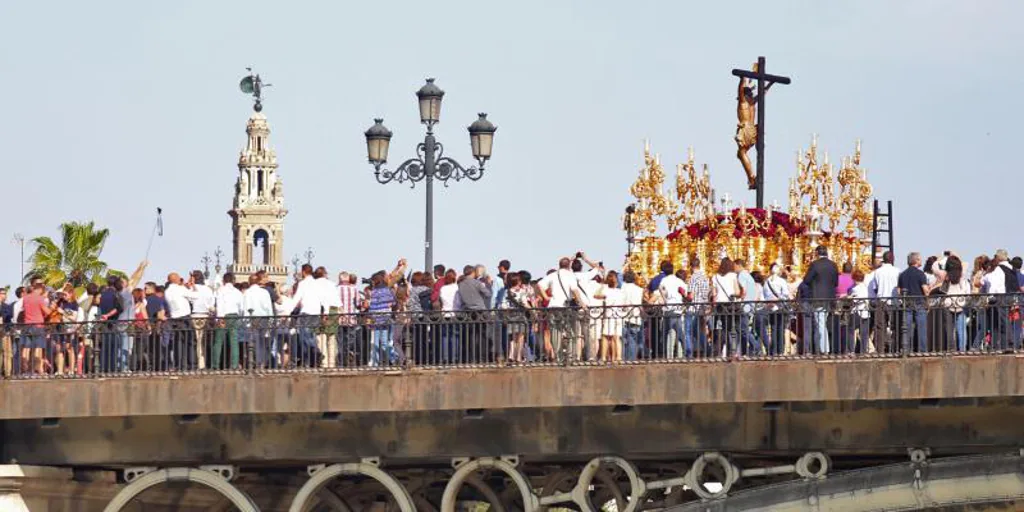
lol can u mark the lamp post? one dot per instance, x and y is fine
(216, 258)
(205, 260)
(19, 239)
(430, 163)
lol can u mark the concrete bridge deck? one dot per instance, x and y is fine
(796, 380)
(273, 427)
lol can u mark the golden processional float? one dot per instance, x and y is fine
(826, 207)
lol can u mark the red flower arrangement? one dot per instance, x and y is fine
(779, 220)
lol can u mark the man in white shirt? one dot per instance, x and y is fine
(309, 299)
(883, 285)
(558, 287)
(203, 301)
(256, 304)
(775, 290)
(182, 348)
(330, 300)
(632, 326)
(229, 309)
(18, 306)
(673, 291)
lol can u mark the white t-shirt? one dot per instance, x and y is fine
(330, 297)
(883, 282)
(860, 293)
(256, 302)
(308, 295)
(447, 296)
(229, 300)
(672, 292)
(177, 297)
(202, 299)
(590, 289)
(612, 296)
(560, 291)
(724, 286)
(286, 306)
(994, 282)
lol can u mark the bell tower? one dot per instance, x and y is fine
(258, 212)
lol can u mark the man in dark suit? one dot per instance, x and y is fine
(913, 286)
(822, 278)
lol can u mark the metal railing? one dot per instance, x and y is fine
(840, 328)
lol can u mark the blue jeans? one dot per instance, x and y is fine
(749, 344)
(110, 348)
(960, 321)
(632, 340)
(126, 350)
(698, 338)
(450, 352)
(674, 324)
(821, 329)
(915, 318)
(381, 344)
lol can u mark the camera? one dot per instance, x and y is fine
(579, 255)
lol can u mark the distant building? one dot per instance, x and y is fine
(258, 212)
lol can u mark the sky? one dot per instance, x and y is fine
(109, 110)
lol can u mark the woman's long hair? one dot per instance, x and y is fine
(954, 270)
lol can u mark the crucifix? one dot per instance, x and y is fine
(749, 133)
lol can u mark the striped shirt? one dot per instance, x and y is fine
(349, 296)
(700, 287)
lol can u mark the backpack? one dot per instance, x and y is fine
(424, 298)
(1012, 284)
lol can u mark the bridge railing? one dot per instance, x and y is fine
(517, 337)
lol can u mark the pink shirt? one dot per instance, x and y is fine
(845, 283)
(32, 305)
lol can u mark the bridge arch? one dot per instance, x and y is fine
(312, 487)
(466, 470)
(238, 498)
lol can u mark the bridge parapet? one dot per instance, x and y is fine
(778, 381)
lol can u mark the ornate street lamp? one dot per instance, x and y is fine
(430, 163)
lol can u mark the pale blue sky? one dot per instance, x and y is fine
(110, 109)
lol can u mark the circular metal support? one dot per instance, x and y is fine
(466, 469)
(581, 493)
(312, 486)
(814, 465)
(730, 474)
(238, 498)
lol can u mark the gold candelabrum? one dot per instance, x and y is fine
(826, 207)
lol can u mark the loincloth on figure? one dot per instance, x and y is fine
(746, 134)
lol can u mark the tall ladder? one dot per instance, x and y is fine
(881, 228)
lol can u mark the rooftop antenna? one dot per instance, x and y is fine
(252, 84)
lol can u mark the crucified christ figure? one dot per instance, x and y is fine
(746, 130)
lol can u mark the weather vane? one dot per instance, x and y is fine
(253, 85)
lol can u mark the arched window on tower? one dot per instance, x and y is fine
(261, 240)
(259, 183)
(259, 144)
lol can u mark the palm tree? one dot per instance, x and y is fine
(76, 259)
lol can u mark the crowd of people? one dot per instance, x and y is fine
(579, 311)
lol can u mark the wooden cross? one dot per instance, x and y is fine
(764, 81)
